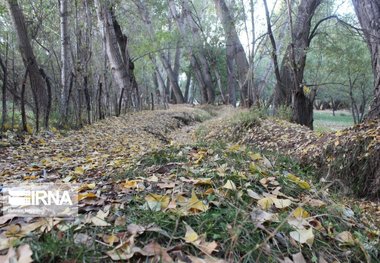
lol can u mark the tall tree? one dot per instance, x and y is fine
(65, 49)
(235, 51)
(199, 60)
(37, 82)
(289, 90)
(171, 71)
(115, 49)
(368, 12)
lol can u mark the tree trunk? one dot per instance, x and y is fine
(172, 72)
(231, 82)
(368, 12)
(120, 70)
(291, 89)
(36, 81)
(4, 91)
(65, 73)
(199, 60)
(238, 53)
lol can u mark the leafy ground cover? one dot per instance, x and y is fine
(182, 198)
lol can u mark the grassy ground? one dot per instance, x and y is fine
(324, 121)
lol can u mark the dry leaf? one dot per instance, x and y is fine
(345, 238)
(299, 212)
(23, 254)
(303, 236)
(190, 236)
(230, 185)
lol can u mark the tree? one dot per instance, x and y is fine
(199, 60)
(37, 83)
(172, 72)
(116, 51)
(65, 72)
(235, 51)
(368, 12)
(290, 90)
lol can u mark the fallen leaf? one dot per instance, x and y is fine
(345, 238)
(157, 202)
(99, 219)
(265, 203)
(196, 205)
(281, 203)
(299, 212)
(79, 170)
(190, 236)
(230, 185)
(23, 254)
(259, 216)
(110, 239)
(254, 195)
(303, 236)
(155, 250)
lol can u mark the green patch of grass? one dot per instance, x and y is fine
(57, 246)
(325, 121)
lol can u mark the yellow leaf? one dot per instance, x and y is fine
(79, 170)
(110, 239)
(190, 236)
(195, 204)
(230, 185)
(86, 195)
(157, 202)
(265, 203)
(234, 148)
(300, 213)
(304, 185)
(203, 181)
(131, 184)
(255, 156)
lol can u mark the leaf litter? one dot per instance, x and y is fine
(142, 197)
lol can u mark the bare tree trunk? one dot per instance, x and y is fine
(65, 73)
(231, 82)
(36, 81)
(23, 111)
(368, 12)
(4, 91)
(238, 53)
(120, 70)
(290, 91)
(199, 60)
(50, 98)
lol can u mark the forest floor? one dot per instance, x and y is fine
(184, 185)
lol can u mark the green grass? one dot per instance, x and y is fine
(324, 121)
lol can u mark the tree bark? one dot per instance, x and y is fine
(368, 12)
(290, 92)
(65, 72)
(199, 60)
(120, 70)
(4, 94)
(238, 53)
(36, 81)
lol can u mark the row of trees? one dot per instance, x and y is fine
(79, 61)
